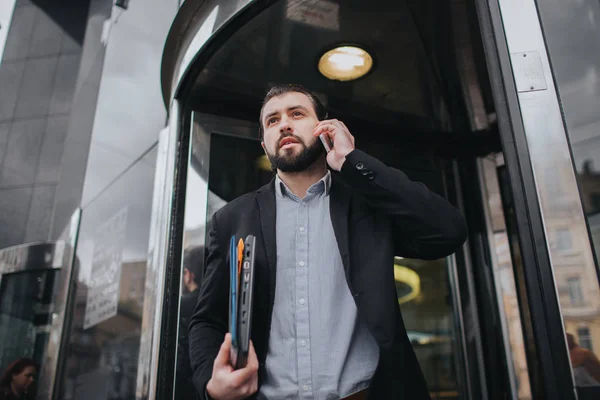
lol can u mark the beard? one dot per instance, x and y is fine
(288, 162)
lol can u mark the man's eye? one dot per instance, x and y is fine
(297, 113)
(271, 121)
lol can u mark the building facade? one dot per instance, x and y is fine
(124, 126)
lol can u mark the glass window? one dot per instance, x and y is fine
(210, 145)
(104, 334)
(507, 265)
(563, 240)
(585, 340)
(26, 305)
(423, 294)
(571, 29)
(575, 292)
(594, 203)
(128, 108)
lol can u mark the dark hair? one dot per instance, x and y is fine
(279, 90)
(16, 368)
(193, 259)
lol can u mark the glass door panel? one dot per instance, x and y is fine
(226, 161)
(33, 293)
(26, 307)
(425, 298)
(503, 242)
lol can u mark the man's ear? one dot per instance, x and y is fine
(262, 143)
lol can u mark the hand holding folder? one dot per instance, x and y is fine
(229, 383)
(235, 368)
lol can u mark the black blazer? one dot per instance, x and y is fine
(377, 213)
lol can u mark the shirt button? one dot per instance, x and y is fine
(301, 229)
(302, 301)
(301, 263)
(303, 343)
(305, 388)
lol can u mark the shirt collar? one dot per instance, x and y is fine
(322, 186)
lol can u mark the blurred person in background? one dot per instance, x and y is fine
(193, 260)
(17, 380)
(586, 366)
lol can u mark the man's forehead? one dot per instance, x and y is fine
(285, 101)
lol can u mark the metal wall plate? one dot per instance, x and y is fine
(528, 71)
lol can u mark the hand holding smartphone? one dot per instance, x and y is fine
(326, 141)
(337, 140)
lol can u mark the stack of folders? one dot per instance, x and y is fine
(241, 270)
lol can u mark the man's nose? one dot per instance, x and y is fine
(285, 125)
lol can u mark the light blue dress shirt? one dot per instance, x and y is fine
(318, 346)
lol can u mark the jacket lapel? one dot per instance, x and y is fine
(267, 210)
(339, 207)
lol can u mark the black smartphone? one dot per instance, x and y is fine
(245, 298)
(326, 141)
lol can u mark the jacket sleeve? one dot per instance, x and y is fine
(209, 323)
(425, 225)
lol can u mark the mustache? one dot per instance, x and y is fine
(286, 135)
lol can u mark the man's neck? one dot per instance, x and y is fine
(299, 182)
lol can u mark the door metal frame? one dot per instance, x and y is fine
(543, 302)
(157, 295)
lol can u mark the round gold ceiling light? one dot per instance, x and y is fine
(345, 63)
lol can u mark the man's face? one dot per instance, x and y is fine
(288, 122)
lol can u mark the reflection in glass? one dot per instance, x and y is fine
(34, 291)
(128, 109)
(247, 171)
(586, 366)
(502, 241)
(193, 252)
(425, 300)
(576, 64)
(26, 307)
(221, 168)
(104, 335)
